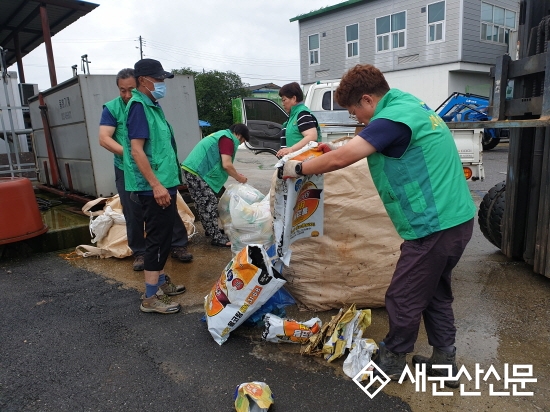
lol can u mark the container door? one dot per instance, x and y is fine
(264, 119)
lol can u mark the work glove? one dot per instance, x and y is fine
(327, 147)
(289, 170)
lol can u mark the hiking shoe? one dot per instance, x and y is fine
(159, 303)
(440, 358)
(392, 364)
(182, 254)
(170, 289)
(138, 263)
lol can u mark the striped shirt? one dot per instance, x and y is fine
(305, 122)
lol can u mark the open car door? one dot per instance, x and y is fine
(264, 119)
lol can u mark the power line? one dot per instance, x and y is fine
(268, 77)
(217, 57)
(91, 40)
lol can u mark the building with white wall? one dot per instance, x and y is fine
(428, 48)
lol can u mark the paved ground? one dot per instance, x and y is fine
(74, 339)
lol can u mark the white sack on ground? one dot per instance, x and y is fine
(114, 242)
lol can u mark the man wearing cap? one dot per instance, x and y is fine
(151, 172)
(112, 133)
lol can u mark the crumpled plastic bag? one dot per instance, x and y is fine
(350, 327)
(339, 334)
(253, 397)
(359, 356)
(279, 330)
(99, 227)
(249, 194)
(246, 216)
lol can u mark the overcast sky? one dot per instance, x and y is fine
(249, 37)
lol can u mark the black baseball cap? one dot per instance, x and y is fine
(152, 68)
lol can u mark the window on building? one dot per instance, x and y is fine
(390, 32)
(496, 23)
(313, 45)
(436, 21)
(352, 40)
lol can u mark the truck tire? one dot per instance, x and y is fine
(491, 211)
(488, 142)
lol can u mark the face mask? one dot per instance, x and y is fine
(160, 90)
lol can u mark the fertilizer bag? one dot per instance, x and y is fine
(246, 283)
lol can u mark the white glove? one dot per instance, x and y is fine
(289, 169)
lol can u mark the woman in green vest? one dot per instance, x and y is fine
(206, 170)
(302, 126)
(417, 171)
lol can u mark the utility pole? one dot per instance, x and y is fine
(140, 48)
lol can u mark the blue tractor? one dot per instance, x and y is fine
(465, 107)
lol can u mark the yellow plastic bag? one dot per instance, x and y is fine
(253, 397)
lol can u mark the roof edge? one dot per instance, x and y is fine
(324, 10)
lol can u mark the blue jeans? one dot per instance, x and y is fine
(133, 214)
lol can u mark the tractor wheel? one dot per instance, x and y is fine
(489, 142)
(491, 212)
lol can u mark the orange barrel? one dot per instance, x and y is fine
(20, 217)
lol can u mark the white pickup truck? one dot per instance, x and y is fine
(264, 119)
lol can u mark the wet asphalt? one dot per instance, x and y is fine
(73, 338)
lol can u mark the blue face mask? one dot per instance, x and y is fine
(160, 90)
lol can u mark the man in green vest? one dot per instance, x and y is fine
(416, 169)
(152, 174)
(112, 133)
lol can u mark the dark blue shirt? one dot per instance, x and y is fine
(138, 128)
(107, 118)
(388, 137)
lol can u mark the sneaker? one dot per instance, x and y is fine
(182, 254)
(170, 289)
(392, 364)
(138, 263)
(440, 357)
(159, 303)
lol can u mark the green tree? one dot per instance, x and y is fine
(215, 90)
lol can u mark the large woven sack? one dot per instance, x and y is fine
(354, 261)
(115, 243)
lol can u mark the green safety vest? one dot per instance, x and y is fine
(160, 149)
(292, 133)
(424, 191)
(117, 108)
(205, 160)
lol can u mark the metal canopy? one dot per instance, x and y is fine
(21, 24)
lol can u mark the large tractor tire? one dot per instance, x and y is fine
(488, 142)
(491, 211)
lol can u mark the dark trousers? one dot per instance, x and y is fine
(133, 214)
(421, 287)
(158, 225)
